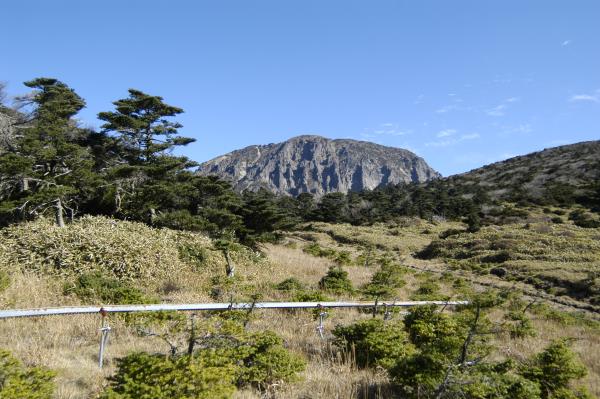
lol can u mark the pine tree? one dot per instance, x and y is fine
(48, 168)
(149, 179)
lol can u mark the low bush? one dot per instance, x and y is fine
(385, 281)
(336, 281)
(289, 284)
(18, 381)
(428, 291)
(228, 357)
(373, 342)
(94, 286)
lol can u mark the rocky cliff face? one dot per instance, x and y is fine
(318, 165)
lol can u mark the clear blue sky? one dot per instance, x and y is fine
(461, 83)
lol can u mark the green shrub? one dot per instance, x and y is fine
(519, 325)
(19, 382)
(267, 362)
(581, 219)
(385, 281)
(554, 369)
(449, 233)
(93, 286)
(290, 284)
(343, 258)
(336, 281)
(228, 357)
(373, 342)
(498, 257)
(142, 375)
(428, 291)
(315, 249)
(310, 296)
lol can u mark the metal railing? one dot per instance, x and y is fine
(69, 310)
(105, 310)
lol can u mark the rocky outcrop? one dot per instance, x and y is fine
(317, 165)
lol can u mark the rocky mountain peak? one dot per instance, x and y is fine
(318, 165)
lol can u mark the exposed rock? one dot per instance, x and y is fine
(318, 165)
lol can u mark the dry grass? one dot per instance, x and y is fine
(69, 345)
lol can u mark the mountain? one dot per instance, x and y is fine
(565, 170)
(318, 165)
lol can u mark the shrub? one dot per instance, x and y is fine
(557, 220)
(228, 357)
(18, 381)
(554, 369)
(336, 281)
(343, 258)
(142, 375)
(498, 257)
(91, 286)
(385, 281)
(427, 291)
(309, 296)
(450, 232)
(267, 362)
(315, 249)
(289, 284)
(581, 219)
(373, 342)
(519, 325)
(499, 272)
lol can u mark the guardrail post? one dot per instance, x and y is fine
(104, 330)
(321, 326)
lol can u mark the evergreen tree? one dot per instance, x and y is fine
(150, 180)
(48, 168)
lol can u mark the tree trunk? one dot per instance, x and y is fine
(152, 216)
(230, 268)
(58, 210)
(24, 184)
(118, 199)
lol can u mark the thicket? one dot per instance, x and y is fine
(433, 354)
(220, 356)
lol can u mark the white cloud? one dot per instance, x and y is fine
(496, 111)
(385, 129)
(471, 136)
(446, 108)
(446, 133)
(419, 99)
(566, 43)
(452, 141)
(595, 98)
(500, 109)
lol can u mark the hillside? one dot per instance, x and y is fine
(558, 172)
(317, 165)
(99, 260)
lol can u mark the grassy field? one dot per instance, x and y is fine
(42, 264)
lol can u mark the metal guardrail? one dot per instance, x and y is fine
(105, 310)
(70, 310)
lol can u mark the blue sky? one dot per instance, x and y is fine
(461, 83)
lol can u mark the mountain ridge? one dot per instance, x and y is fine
(318, 165)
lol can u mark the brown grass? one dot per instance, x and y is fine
(69, 344)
